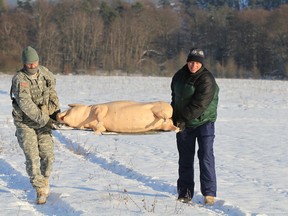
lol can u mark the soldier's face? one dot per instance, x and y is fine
(32, 65)
(194, 66)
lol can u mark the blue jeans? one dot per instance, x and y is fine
(186, 140)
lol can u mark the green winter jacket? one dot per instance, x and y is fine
(34, 97)
(194, 97)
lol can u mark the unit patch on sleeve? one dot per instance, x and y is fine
(24, 84)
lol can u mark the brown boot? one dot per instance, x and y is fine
(47, 187)
(209, 200)
(41, 195)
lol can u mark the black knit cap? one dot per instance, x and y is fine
(197, 55)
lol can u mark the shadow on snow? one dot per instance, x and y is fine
(16, 181)
(157, 185)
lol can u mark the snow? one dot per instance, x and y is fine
(137, 174)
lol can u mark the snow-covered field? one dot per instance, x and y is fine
(136, 174)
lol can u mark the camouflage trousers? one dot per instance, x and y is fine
(38, 148)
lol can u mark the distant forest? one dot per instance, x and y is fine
(241, 38)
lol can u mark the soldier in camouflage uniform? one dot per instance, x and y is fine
(35, 105)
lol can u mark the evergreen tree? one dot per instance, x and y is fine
(25, 4)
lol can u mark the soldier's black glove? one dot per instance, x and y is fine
(54, 115)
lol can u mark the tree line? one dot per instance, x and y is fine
(100, 37)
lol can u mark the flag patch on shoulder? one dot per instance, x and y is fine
(24, 84)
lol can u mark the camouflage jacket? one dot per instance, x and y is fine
(34, 97)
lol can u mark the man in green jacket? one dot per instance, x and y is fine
(194, 102)
(35, 105)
